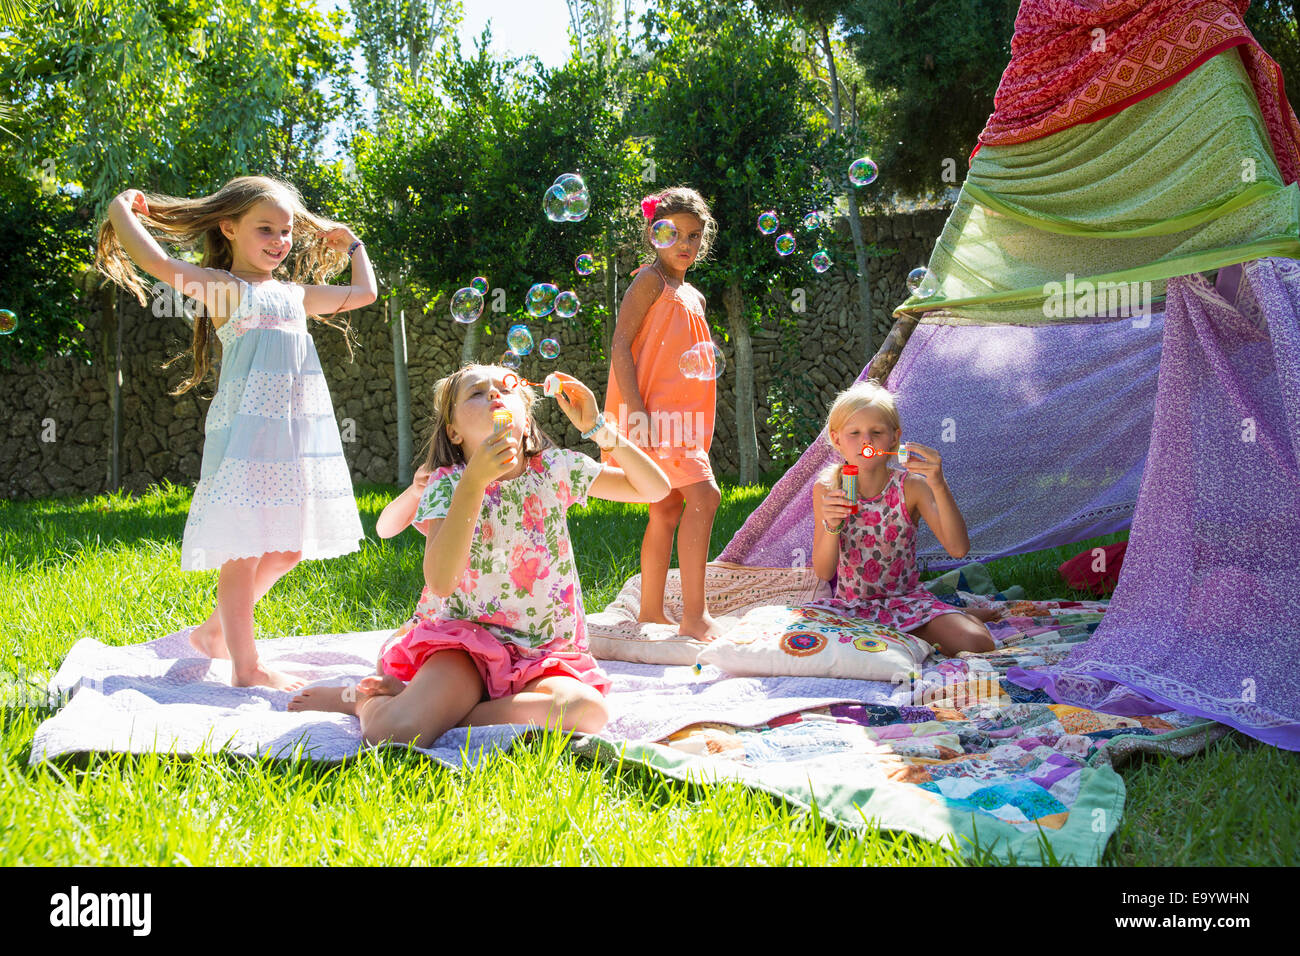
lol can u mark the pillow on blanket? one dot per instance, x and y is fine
(812, 642)
(614, 634)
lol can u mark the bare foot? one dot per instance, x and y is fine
(208, 640)
(703, 628)
(346, 700)
(260, 676)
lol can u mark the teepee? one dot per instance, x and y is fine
(1078, 373)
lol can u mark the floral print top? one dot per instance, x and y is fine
(521, 583)
(876, 577)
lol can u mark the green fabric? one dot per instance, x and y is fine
(1160, 189)
(845, 799)
(973, 578)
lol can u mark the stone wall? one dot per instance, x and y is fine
(57, 434)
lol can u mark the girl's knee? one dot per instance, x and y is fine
(578, 706)
(704, 496)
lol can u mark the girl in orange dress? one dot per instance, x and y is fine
(663, 393)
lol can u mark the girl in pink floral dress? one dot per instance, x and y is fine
(872, 549)
(498, 635)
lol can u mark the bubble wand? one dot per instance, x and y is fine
(901, 452)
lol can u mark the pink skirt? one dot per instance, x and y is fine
(503, 667)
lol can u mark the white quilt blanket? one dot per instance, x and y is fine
(160, 696)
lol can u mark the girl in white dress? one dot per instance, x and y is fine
(274, 487)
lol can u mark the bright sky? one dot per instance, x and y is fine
(540, 27)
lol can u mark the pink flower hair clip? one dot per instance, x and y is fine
(649, 205)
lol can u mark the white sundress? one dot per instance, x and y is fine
(273, 476)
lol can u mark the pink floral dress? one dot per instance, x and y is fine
(518, 609)
(876, 577)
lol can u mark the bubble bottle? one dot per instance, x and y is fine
(902, 454)
(849, 484)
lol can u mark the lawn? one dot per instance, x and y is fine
(108, 567)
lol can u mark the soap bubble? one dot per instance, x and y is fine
(567, 305)
(519, 339)
(8, 321)
(922, 283)
(577, 207)
(784, 244)
(549, 348)
(703, 360)
(540, 299)
(571, 183)
(509, 360)
(554, 204)
(585, 264)
(466, 305)
(821, 261)
(663, 234)
(479, 284)
(812, 220)
(768, 221)
(863, 172)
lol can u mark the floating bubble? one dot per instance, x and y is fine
(784, 244)
(8, 321)
(567, 305)
(540, 299)
(768, 222)
(548, 348)
(922, 283)
(703, 360)
(663, 234)
(466, 305)
(554, 204)
(509, 360)
(812, 220)
(571, 183)
(520, 340)
(479, 284)
(821, 261)
(577, 207)
(863, 172)
(585, 264)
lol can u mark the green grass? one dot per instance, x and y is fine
(108, 567)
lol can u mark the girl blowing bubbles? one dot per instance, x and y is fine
(274, 487)
(662, 316)
(873, 551)
(498, 636)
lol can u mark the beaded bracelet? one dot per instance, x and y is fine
(590, 434)
(828, 527)
(353, 248)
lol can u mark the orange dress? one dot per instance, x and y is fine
(681, 410)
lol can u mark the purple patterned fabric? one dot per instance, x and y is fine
(1049, 429)
(1206, 616)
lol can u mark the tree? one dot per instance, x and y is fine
(465, 174)
(399, 39)
(171, 96)
(746, 139)
(938, 66)
(818, 18)
(1275, 27)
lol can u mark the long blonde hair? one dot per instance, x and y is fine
(856, 398)
(442, 452)
(196, 223)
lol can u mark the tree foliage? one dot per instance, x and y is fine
(465, 173)
(937, 65)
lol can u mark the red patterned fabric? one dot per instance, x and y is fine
(1063, 71)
